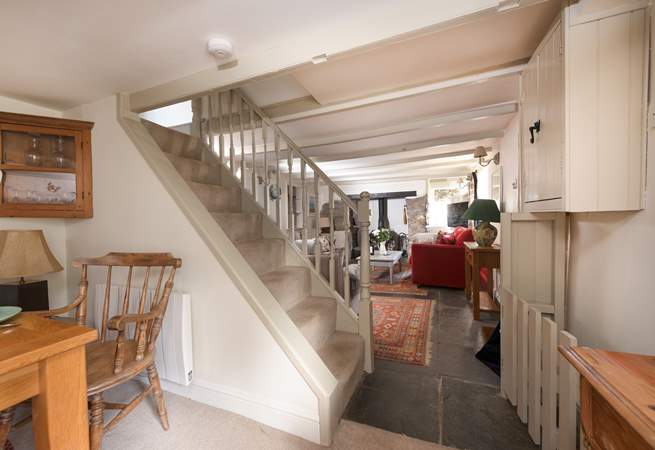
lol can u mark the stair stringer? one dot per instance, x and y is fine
(300, 353)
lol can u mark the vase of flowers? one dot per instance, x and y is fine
(381, 236)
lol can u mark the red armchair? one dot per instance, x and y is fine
(441, 264)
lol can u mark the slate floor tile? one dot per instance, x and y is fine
(476, 417)
(402, 403)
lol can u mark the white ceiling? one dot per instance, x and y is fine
(412, 109)
(363, 118)
(474, 46)
(68, 52)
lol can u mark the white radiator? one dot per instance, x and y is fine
(174, 349)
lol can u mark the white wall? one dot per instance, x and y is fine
(53, 229)
(610, 296)
(234, 355)
(509, 160)
(610, 292)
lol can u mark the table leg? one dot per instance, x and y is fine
(467, 279)
(475, 288)
(60, 415)
(391, 274)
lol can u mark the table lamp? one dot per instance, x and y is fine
(487, 211)
(25, 253)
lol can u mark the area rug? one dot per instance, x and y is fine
(401, 329)
(402, 283)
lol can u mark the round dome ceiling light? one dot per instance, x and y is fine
(221, 48)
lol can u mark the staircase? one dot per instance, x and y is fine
(235, 168)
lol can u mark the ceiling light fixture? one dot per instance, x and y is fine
(220, 48)
(318, 59)
(504, 5)
(481, 153)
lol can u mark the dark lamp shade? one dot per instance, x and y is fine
(483, 209)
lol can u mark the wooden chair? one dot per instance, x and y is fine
(126, 344)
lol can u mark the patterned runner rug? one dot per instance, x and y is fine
(402, 283)
(401, 329)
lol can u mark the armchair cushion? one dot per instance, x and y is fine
(466, 235)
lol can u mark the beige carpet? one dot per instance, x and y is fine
(195, 426)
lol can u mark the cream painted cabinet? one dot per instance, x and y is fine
(584, 110)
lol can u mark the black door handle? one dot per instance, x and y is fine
(535, 127)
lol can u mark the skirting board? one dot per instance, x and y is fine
(298, 423)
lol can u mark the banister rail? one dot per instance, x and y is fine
(304, 204)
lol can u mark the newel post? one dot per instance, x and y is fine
(365, 308)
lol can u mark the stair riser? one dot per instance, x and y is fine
(192, 170)
(241, 227)
(319, 326)
(218, 199)
(263, 256)
(290, 290)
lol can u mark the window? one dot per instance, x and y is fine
(441, 193)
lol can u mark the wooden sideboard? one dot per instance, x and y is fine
(617, 398)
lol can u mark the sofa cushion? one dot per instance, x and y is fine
(448, 239)
(465, 236)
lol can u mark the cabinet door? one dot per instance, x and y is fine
(608, 74)
(530, 113)
(543, 103)
(551, 117)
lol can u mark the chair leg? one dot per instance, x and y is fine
(6, 417)
(96, 426)
(158, 394)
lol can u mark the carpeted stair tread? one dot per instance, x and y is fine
(288, 284)
(217, 198)
(175, 142)
(194, 170)
(316, 318)
(241, 226)
(263, 255)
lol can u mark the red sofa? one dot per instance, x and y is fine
(441, 264)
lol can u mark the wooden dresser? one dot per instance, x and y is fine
(617, 398)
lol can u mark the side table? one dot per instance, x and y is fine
(476, 257)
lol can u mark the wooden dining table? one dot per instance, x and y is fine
(44, 360)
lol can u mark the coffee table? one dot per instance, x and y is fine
(389, 261)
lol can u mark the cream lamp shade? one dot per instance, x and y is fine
(25, 253)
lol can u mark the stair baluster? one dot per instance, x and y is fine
(346, 253)
(253, 146)
(317, 225)
(304, 209)
(221, 130)
(266, 179)
(242, 142)
(277, 176)
(230, 102)
(365, 308)
(290, 203)
(331, 209)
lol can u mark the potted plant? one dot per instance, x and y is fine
(381, 236)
